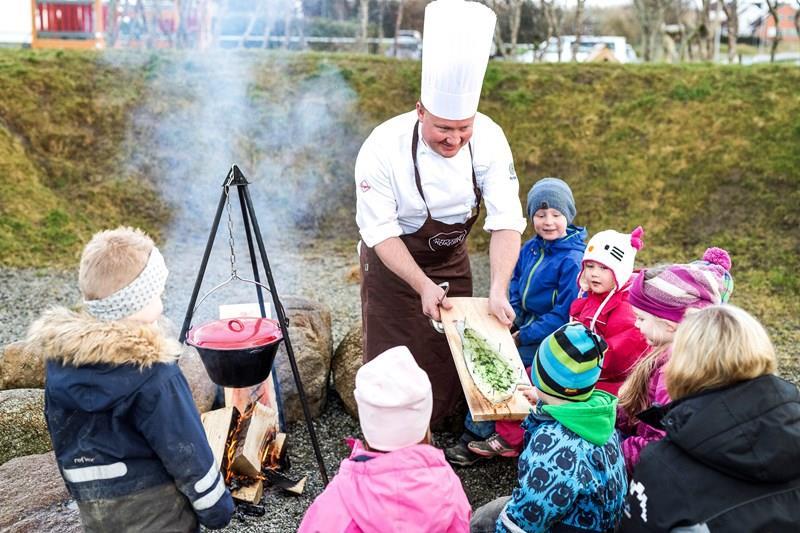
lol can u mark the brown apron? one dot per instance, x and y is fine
(391, 310)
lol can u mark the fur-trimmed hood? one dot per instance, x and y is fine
(75, 338)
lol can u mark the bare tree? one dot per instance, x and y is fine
(398, 21)
(732, 13)
(555, 23)
(364, 12)
(578, 27)
(514, 22)
(500, 7)
(651, 19)
(772, 5)
(797, 19)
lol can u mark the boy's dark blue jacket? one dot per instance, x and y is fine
(544, 284)
(121, 415)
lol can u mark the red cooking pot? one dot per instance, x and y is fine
(237, 352)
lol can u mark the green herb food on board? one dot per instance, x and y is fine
(488, 362)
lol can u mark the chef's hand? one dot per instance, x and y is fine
(500, 308)
(432, 297)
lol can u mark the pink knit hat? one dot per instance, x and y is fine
(394, 400)
(668, 292)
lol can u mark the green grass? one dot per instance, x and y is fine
(699, 155)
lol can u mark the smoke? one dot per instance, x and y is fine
(286, 121)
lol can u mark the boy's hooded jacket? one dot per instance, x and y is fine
(410, 489)
(123, 422)
(730, 462)
(543, 286)
(571, 471)
(615, 322)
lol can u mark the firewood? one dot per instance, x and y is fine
(250, 493)
(285, 483)
(217, 425)
(276, 450)
(252, 440)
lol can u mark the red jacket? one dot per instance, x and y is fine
(615, 323)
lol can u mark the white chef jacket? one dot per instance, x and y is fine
(388, 203)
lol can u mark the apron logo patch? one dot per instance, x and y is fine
(449, 240)
(512, 173)
(364, 186)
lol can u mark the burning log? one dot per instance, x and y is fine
(255, 427)
(275, 454)
(218, 425)
(249, 493)
(250, 452)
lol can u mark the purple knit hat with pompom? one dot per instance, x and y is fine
(668, 292)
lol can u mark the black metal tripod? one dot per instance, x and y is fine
(235, 178)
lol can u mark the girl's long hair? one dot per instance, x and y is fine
(715, 347)
(634, 395)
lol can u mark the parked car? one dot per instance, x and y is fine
(589, 45)
(409, 45)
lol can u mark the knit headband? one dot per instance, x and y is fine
(134, 297)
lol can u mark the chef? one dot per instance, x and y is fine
(420, 178)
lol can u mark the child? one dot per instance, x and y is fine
(541, 290)
(730, 460)
(661, 297)
(605, 278)
(571, 472)
(126, 433)
(397, 482)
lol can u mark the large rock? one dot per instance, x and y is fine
(23, 369)
(23, 430)
(312, 344)
(346, 362)
(34, 497)
(20, 369)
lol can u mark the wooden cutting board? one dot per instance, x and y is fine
(476, 312)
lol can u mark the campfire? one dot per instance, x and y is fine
(250, 450)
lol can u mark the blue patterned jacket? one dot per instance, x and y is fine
(567, 483)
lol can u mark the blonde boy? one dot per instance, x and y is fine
(126, 433)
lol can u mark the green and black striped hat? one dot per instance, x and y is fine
(568, 362)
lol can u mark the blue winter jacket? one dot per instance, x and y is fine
(571, 471)
(121, 415)
(544, 284)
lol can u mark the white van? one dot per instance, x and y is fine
(589, 45)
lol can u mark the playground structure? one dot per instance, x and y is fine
(94, 24)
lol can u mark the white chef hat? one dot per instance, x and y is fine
(394, 400)
(456, 44)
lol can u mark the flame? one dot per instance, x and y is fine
(269, 459)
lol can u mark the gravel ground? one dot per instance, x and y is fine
(316, 270)
(313, 269)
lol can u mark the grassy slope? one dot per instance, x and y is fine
(63, 118)
(698, 155)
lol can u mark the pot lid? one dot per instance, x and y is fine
(235, 334)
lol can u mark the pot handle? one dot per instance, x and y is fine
(238, 323)
(213, 289)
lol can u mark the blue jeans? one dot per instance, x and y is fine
(472, 429)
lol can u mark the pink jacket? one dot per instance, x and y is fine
(637, 434)
(411, 489)
(615, 323)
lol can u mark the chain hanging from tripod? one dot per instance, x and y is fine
(231, 243)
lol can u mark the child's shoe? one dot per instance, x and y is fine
(461, 455)
(492, 447)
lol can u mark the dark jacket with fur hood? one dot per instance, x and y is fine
(123, 422)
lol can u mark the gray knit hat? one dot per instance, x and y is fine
(552, 193)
